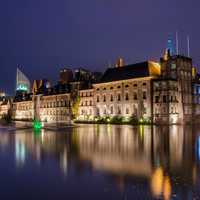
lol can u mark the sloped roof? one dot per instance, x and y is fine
(139, 70)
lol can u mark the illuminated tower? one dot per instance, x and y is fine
(170, 46)
(22, 82)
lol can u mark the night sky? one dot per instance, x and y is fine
(43, 36)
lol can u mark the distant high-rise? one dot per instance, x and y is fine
(22, 82)
(66, 75)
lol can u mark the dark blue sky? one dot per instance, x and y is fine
(42, 36)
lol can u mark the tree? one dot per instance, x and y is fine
(75, 107)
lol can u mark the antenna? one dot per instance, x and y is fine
(188, 45)
(177, 47)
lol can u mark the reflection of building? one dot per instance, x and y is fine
(149, 160)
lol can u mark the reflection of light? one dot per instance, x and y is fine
(167, 188)
(63, 162)
(142, 131)
(198, 147)
(20, 152)
(157, 182)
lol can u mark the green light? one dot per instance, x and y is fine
(37, 125)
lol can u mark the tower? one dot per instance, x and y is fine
(170, 46)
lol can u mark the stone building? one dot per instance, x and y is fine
(5, 106)
(122, 91)
(165, 93)
(172, 93)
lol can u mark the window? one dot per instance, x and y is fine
(135, 96)
(111, 110)
(119, 87)
(111, 88)
(144, 84)
(145, 110)
(157, 99)
(119, 111)
(97, 98)
(127, 111)
(97, 89)
(104, 88)
(135, 85)
(98, 111)
(90, 103)
(104, 98)
(173, 66)
(126, 97)
(144, 95)
(86, 103)
(164, 99)
(111, 97)
(126, 86)
(119, 97)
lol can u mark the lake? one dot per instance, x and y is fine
(101, 162)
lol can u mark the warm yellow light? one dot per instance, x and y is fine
(167, 188)
(157, 182)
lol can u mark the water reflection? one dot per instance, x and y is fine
(164, 160)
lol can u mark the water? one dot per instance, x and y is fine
(101, 162)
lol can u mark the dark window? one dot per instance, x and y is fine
(111, 97)
(97, 98)
(135, 96)
(111, 88)
(119, 97)
(104, 98)
(135, 85)
(119, 86)
(144, 84)
(104, 88)
(126, 97)
(164, 99)
(144, 95)
(157, 99)
(126, 86)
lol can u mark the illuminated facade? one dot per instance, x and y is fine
(164, 93)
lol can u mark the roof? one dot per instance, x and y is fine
(139, 70)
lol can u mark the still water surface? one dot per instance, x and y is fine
(101, 162)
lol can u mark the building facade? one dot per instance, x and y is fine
(164, 93)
